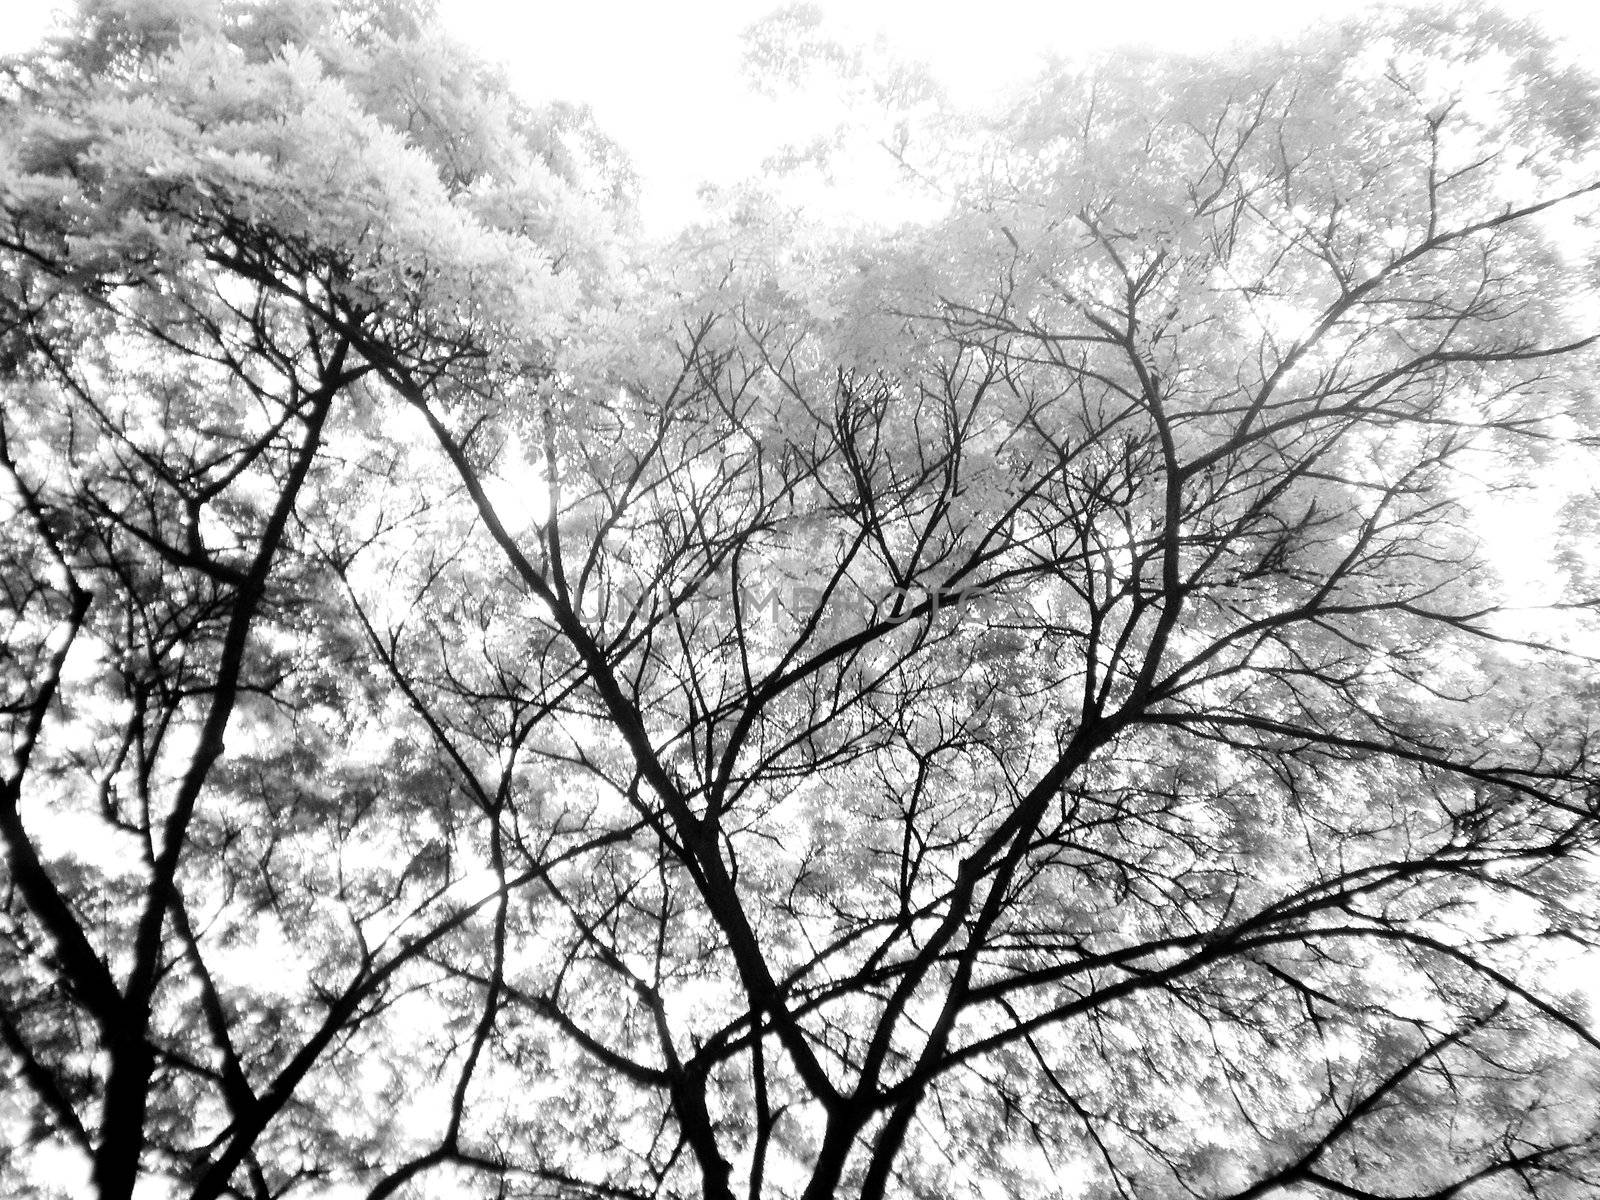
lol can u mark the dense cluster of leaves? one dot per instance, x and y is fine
(1015, 706)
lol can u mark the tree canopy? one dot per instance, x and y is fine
(1016, 704)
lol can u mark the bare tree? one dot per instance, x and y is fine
(1017, 706)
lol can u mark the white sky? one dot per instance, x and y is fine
(664, 79)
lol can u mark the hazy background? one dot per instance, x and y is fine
(665, 80)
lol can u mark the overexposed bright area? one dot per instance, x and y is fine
(668, 81)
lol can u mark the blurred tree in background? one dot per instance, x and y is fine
(1014, 705)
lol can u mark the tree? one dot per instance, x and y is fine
(1013, 706)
